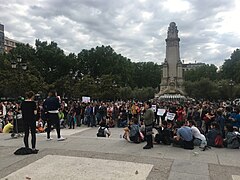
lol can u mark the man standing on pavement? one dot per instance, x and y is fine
(148, 121)
(51, 106)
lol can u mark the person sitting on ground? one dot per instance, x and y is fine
(8, 128)
(199, 139)
(123, 119)
(127, 131)
(184, 137)
(39, 126)
(231, 141)
(165, 134)
(133, 133)
(103, 130)
(111, 123)
(212, 134)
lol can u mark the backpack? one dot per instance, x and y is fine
(23, 151)
(233, 141)
(219, 141)
(101, 132)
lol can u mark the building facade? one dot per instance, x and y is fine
(1, 38)
(6, 44)
(9, 44)
(192, 66)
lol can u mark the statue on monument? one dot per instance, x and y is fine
(172, 31)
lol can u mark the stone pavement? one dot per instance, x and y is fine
(84, 156)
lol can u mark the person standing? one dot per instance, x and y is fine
(29, 112)
(51, 105)
(148, 121)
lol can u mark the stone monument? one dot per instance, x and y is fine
(172, 77)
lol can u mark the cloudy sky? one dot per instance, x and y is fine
(209, 29)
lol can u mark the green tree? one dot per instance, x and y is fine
(231, 67)
(205, 71)
(204, 88)
(51, 61)
(125, 93)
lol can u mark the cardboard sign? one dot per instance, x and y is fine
(170, 116)
(160, 112)
(86, 99)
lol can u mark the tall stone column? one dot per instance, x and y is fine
(172, 79)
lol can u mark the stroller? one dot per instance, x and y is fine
(18, 127)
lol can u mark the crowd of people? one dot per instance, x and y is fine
(202, 124)
(195, 123)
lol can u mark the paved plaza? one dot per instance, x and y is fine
(84, 156)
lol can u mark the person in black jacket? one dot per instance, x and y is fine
(29, 111)
(165, 134)
(51, 105)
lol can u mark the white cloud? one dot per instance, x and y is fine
(147, 15)
(176, 5)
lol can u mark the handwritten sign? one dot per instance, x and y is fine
(160, 112)
(170, 116)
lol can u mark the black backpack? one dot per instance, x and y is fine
(23, 151)
(101, 132)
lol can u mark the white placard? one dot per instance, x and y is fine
(86, 99)
(170, 116)
(154, 108)
(160, 112)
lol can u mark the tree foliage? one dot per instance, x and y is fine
(103, 74)
(231, 67)
(205, 71)
(100, 72)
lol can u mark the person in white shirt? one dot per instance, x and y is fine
(199, 139)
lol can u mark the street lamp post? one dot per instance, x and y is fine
(18, 64)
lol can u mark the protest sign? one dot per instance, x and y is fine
(160, 112)
(170, 116)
